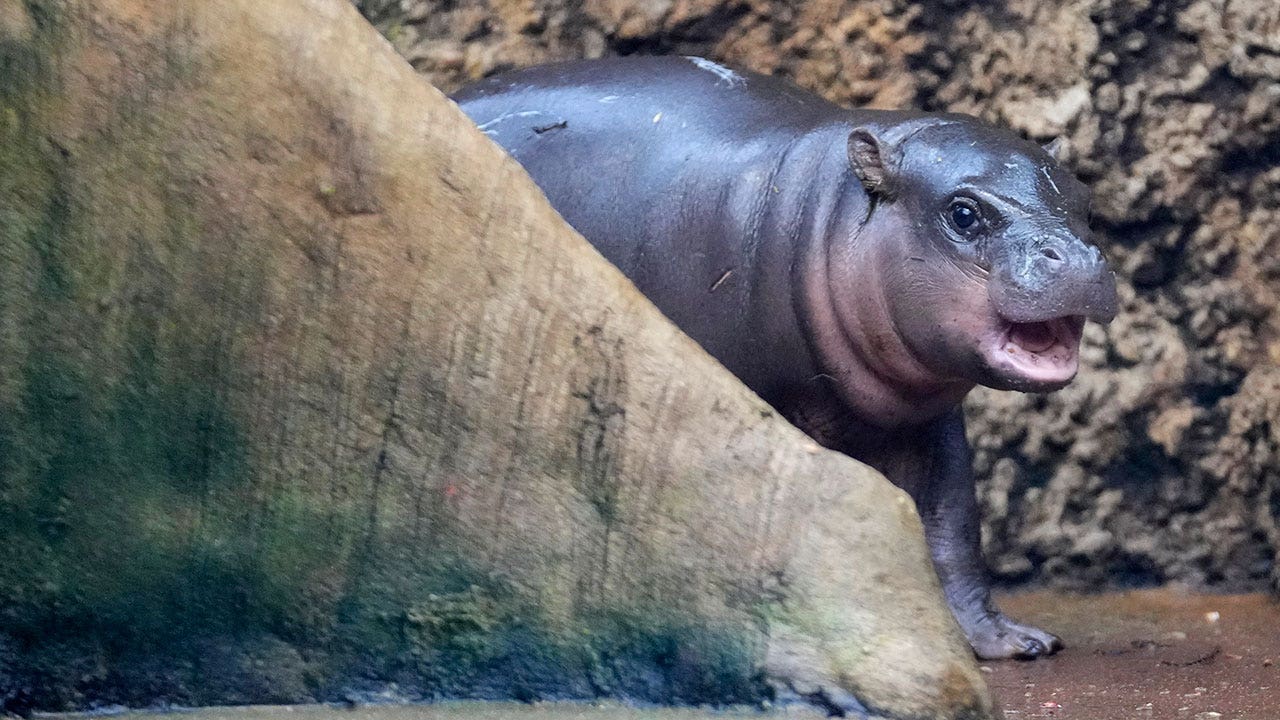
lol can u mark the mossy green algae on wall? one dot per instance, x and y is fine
(152, 551)
(311, 391)
(26, 207)
(111, 425)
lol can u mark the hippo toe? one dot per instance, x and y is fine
(995, 636)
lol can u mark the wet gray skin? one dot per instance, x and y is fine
(861, 270)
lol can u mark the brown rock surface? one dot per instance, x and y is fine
(305, 389)
(1162, 462)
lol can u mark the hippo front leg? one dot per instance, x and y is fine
(948, 506)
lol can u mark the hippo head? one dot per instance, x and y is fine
(986, 268)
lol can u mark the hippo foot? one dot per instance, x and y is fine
(834, 701)
(995, 636)
(798, 674)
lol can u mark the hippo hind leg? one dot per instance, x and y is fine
(799, 674)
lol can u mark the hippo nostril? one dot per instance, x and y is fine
(1052, 254)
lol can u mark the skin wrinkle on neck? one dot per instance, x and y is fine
(912, 379)
(896, 394)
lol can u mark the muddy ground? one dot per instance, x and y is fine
(1162, 462)
(1146, 655)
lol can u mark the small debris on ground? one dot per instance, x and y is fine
(1162, 654)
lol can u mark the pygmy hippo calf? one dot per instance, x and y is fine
(860, 270)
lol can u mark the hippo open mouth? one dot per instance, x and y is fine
(1042, 354)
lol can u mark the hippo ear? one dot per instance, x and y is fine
(1054, 148)
(871, 161)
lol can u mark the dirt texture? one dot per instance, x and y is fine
(307, 393)
(1161, 654)
(1162, 461)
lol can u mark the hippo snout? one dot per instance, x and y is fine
(1054, 276)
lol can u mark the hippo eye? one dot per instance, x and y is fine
(964, 215)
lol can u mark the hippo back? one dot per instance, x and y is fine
(677, 170)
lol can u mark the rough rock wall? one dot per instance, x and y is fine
(1162, 462)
